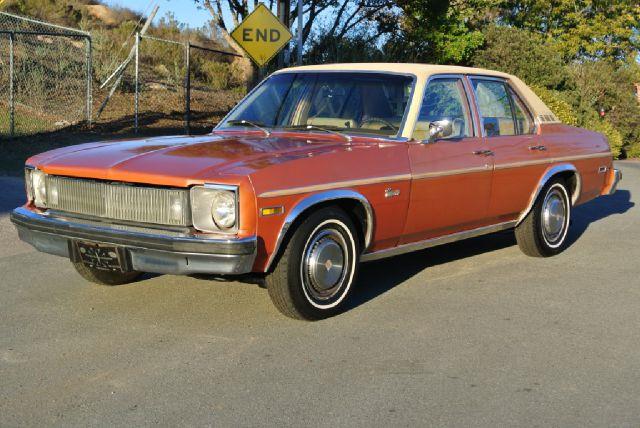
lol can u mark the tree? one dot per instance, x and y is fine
(522, 53)
(585, 29)
(441, 31)
(343, 17)
(606, 85)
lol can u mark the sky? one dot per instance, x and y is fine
(185, 11)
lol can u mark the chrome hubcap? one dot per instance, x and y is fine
(324, 264)
(554, 215)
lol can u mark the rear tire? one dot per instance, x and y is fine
(543, 232)
(317, 268)
(104, 277)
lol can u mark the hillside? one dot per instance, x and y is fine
(51, 71)
(85, 14)
(115, 22)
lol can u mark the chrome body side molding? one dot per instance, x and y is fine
(543, 181)
(433, 242)
(335, 185)
(316, 199)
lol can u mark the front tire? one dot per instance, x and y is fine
(103, 277)
(543, 232)
(317, 268)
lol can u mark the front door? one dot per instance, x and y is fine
(451, 176)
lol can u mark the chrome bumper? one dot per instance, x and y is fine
(147, 250)
(617, 177)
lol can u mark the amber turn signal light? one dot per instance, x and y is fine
(271, 211)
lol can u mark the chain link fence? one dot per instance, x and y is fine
(216, 84)
(172, 86)
(45, 82)
(162, 83)
(182, 85)
(5, 82)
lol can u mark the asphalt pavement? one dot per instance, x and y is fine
(468, 334)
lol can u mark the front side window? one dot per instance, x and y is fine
(501, 110)
(444, 100)
(355, 102)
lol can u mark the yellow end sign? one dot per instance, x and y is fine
(261, 35)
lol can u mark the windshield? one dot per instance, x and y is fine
(361, 103)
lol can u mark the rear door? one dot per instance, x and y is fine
(518, 153)
(451, 176)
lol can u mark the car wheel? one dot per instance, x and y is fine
(543, 232)
(316, 270)
(104, 277)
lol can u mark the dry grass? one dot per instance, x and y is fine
(161, 113)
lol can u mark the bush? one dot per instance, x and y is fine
(634, 151)
(557, 104)
(523, 54)
(221, 75)
(601, 84)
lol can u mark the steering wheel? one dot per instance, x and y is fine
(379, 119)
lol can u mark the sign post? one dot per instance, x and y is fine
(261, 35)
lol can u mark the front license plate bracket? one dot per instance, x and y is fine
(104, 257)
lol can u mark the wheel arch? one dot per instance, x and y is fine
(567, 171)
(355, 205)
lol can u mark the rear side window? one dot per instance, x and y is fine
(501, 110)
(524, 122)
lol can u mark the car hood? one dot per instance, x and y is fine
(180, 160)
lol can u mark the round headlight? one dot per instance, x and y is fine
(39, 188)
(223, 209)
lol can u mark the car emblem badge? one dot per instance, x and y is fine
(388, 193)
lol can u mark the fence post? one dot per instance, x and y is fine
(11, 87)
(187, 89)
(89, 106)
(137, 90)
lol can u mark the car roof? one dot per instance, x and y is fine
(409, 68)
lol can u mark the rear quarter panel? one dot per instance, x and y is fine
(588, 151)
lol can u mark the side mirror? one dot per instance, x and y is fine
(440, 129)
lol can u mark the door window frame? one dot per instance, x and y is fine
(507, 84)
(473, 116)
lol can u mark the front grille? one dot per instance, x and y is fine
(119, 201)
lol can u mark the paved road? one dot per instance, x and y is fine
(470, 334)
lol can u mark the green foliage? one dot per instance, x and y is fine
(633, 152)
(524, 54)
(602, 84)
(584, 29)
(440, 31)
(558, 105)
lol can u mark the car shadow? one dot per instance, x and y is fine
(379, 277)
(598, 209)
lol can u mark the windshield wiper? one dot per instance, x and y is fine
(319, 128)
(267, 133)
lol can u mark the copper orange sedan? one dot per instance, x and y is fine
(316, 170)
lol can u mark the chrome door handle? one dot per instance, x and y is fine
(483, 153)
(540, 148)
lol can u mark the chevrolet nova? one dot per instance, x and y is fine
(317, 169)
